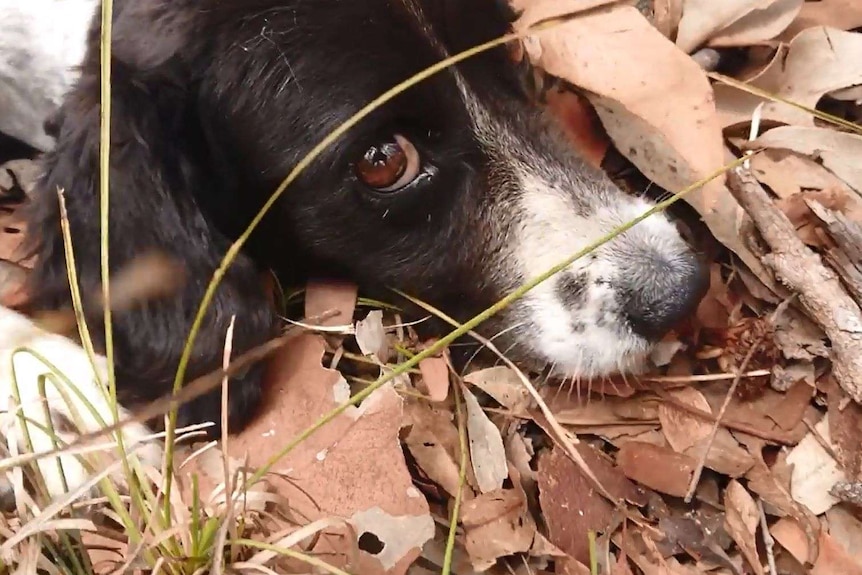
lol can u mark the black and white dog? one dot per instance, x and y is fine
(457, 191)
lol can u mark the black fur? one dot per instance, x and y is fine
(214, 102)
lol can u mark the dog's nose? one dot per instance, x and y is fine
(660, 299)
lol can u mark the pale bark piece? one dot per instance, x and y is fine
(741, 520)
(839, 152)
(815, 471)
(733, 22)
(819, 61)
(487, 453)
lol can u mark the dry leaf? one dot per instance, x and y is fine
(497, 524)
(487, 454)
(371, 336)
(733, 22)
(504, 385)
(433, 443)
(661, 117)
(760, 25)
(741, 520)
(787, 173)
(818, 61)
(681, 429)
(323, 296)
(435, 377)
(570, 504)
(666, 16)
(842, 14)
(839, 152)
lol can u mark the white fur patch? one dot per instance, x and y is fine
(41, 44)
(26, 356)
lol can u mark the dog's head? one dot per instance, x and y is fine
(458, 191)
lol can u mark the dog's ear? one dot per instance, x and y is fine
(160, 184)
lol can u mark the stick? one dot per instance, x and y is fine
(802, 271)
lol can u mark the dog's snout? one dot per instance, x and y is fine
(659, 300)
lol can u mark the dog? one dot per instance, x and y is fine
(456, 191)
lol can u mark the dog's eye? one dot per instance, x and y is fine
(389, 166)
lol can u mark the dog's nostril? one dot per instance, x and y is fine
(658, 302)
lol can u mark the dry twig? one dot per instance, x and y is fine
(802, 271)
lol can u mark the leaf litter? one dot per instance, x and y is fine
(738, 453)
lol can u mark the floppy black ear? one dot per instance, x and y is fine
(160, 186)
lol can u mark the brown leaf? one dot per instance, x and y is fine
(580, 124)
(666, 16)
(741, 520)
(773, 486)
(656, 467)
(570, 505)
(352, 468)
(725, 454)
(845, 528)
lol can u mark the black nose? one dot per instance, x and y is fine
(664, 294)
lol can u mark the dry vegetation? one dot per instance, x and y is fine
(741, 453)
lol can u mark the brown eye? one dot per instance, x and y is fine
(389, 166)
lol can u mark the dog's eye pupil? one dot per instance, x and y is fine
(389, 166)
(382, 165)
